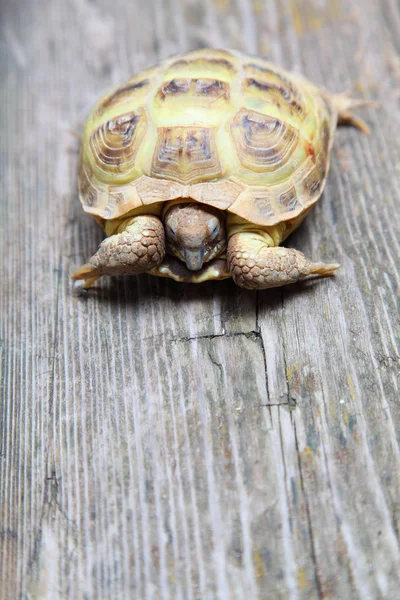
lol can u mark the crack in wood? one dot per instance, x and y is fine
(212, 336)
(217, 364)
(292, 404)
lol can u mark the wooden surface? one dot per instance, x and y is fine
(167, 441)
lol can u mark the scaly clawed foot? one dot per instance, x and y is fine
(256, 266)
(139, 248)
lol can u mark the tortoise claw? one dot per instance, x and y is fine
(86, 272)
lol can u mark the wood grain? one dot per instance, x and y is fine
(197, 442)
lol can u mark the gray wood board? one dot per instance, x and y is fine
(197, 442)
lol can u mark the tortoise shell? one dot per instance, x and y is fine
(215, 126)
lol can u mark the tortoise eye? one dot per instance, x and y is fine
(170, 233)
(213, 227)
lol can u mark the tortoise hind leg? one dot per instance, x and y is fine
(255, 265)
(138, 248)
(345, 106)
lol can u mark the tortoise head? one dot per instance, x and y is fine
(195, 233)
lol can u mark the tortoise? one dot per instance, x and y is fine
(199, 167)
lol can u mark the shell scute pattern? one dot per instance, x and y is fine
(134, 91)
(288, 200)
(192, 91)
(213, 88)
(263, 143)
(311, 183)
(282, 96)
(215, 126)
(114, 145)
(219, 64)
(186, 155)
(260, 201)
(87, 190)
(122, 94)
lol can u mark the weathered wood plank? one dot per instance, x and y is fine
(174, 441)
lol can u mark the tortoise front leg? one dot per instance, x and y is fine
(140, 247)
(255, 265)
